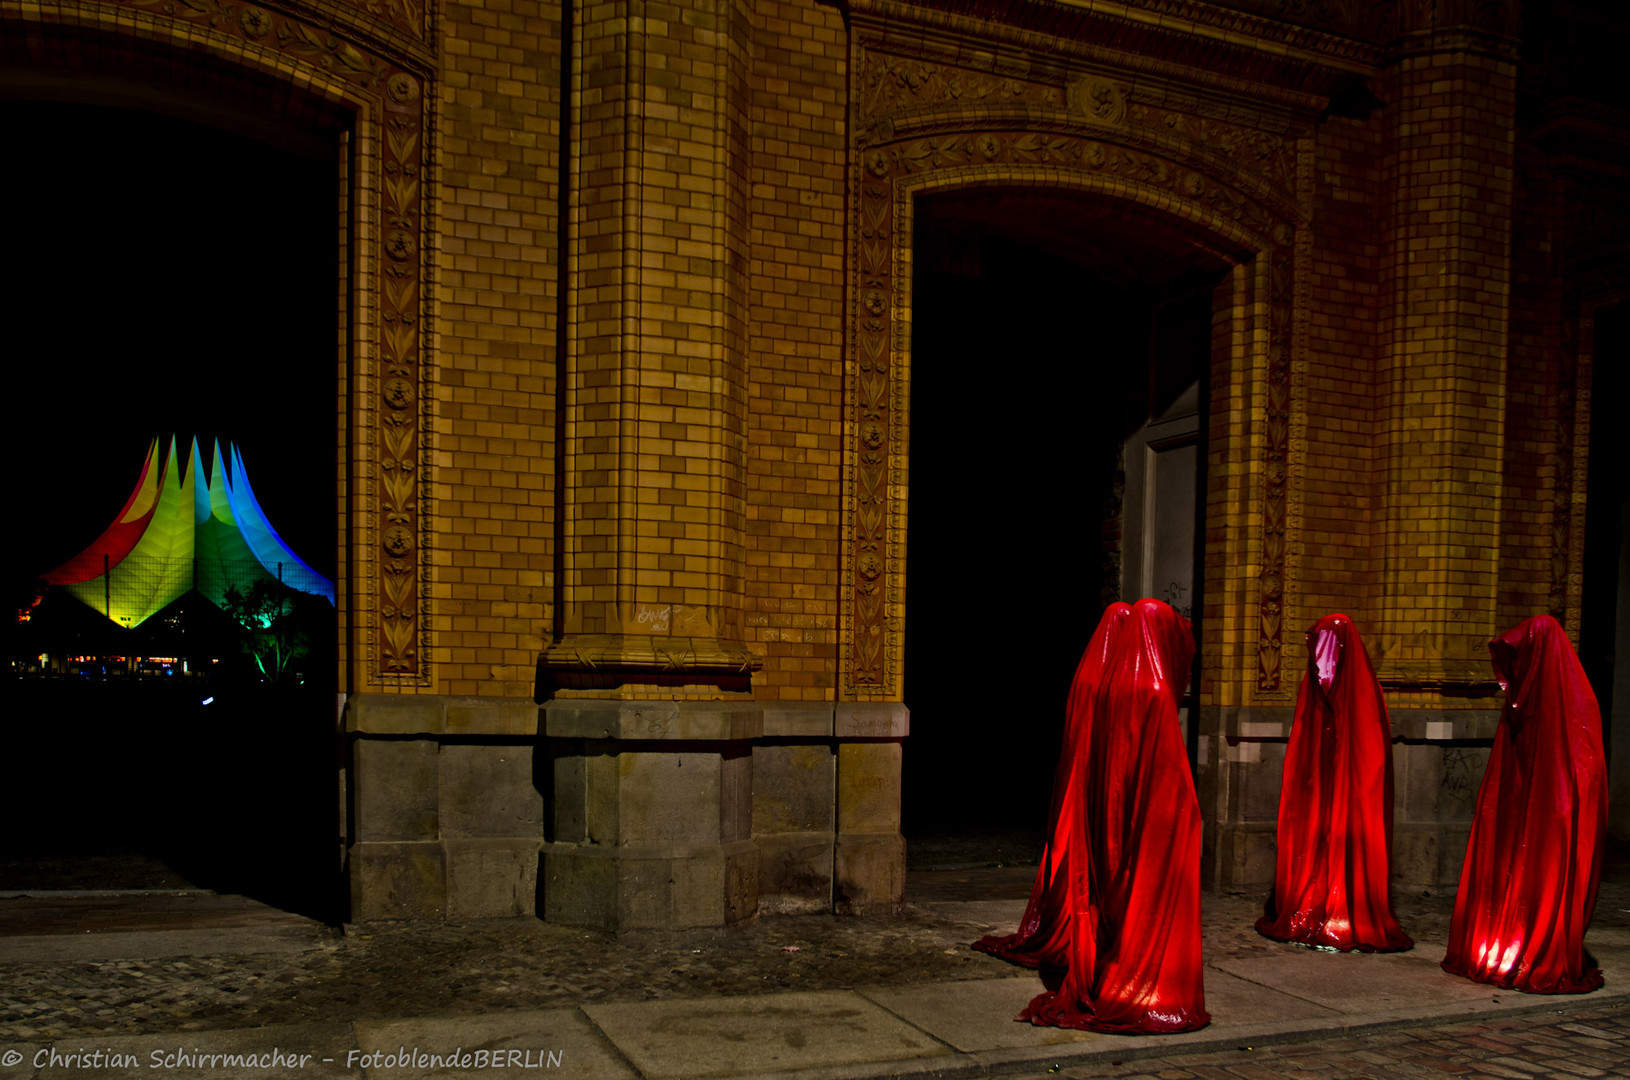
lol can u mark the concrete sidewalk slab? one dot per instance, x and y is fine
(760, 1036)
(1371, 984)
(1234, 1001)
(551, 1039)
(161, 944)
(976, 1016)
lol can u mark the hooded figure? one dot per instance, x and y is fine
(1043, 937)
(1130, 828)
(1330, 885)
(1534, 862)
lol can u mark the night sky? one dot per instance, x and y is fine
(163, 278)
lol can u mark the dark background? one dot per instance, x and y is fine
(163, 278)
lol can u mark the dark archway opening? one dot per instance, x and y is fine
(167, 278)
(1051, 336)
(1605, 610)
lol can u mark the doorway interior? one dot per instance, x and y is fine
(167, 278)
(1060, 346)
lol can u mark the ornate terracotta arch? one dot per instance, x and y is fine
(925, 119)
(360, 72)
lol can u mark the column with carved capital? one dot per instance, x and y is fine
(1440, 451)
(649, 710)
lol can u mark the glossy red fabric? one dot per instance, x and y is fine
(1043, 936)
(1330, 885)
(1133, 844)
(1534, 862)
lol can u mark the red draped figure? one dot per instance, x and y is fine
(1534, 862)
(1127, 840)
(1043, 937)
(1330, 884)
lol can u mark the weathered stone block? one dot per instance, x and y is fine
(1257, 783)
(794, 788)
(578, 885)
(395, 788)
(736, 795)
(492, 716)
(1428, 855)
(871, 720)
(869, 872)
(713, 721)
(394, 714)
(868, 787)
(792, 720)
(566, 807)
(491, 878)
(1242, 857)
(602, 790)
(668, 798)
(795, 872)
(397, 880)
(488, 790)
(1437, 782)
(650, 887)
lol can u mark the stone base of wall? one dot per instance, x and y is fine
(446, 814)
(622, 814)
(640, 888)
(1438, 757)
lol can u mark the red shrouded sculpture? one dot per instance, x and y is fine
(1335, 805)
(1121, 884)
(1534, 862)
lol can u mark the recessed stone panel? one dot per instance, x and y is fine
(488, 790)
(491, 878)
(793, 788)
(395, 789)
(398, 881)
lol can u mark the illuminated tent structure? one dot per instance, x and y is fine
(180, 532)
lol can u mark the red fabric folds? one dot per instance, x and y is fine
(1330, 885)
(1127, 834)
(1534, 863)
(1043, 936)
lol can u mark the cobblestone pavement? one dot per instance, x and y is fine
(1578, 1041)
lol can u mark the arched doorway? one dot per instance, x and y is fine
(189, 292)
(1605, 607)
(1093, 321)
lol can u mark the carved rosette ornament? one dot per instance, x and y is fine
(388, 86)
(910, 134)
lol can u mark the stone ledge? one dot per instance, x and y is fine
(790, 720)
(710, 721)
(415, 714)
(1245, 721)
(1438, 725)
(871, 720)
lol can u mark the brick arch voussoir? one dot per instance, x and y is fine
(211, 60)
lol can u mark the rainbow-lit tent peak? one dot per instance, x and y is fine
(179, 531)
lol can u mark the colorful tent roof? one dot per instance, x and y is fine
(179, 532)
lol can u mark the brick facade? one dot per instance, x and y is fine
(626, 395)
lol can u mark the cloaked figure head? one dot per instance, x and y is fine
(1535, 662)
(1163, 642)
(1335, 654)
